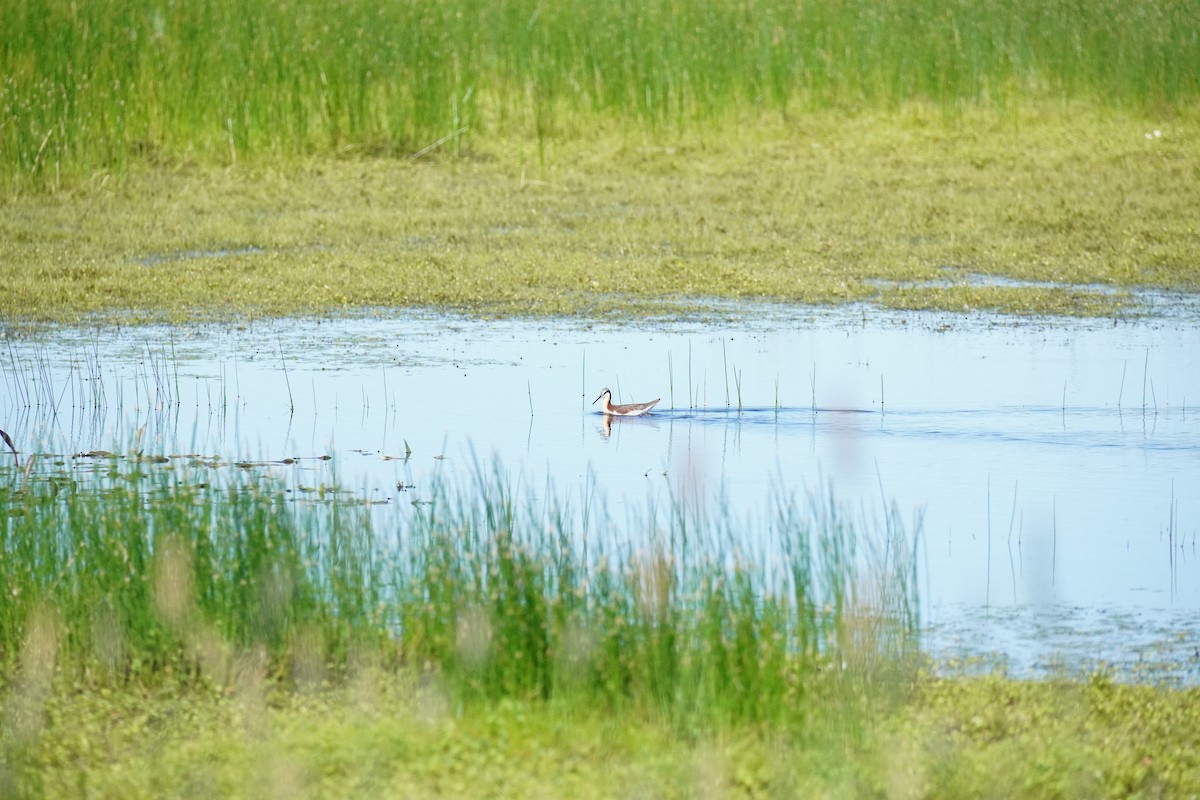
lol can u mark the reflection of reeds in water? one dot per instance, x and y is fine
(488, 595)
(76, 400)
(39, 382)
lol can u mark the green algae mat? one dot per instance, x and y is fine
(1066, 212)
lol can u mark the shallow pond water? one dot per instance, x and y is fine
(1051, 468)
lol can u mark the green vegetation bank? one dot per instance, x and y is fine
(182, 160)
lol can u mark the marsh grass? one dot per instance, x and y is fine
(154, 574)
(683, 620)
(99, 86)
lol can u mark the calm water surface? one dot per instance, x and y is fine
(1053, 469)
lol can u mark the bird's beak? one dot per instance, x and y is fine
(598, 398)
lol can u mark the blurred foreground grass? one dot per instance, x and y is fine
(383, 735)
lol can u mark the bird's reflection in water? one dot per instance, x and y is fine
(608, 421)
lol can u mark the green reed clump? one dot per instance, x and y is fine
(94, 86)
(144, 573)
(150, 570)
(684, 616)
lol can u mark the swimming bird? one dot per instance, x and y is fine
(626, 410)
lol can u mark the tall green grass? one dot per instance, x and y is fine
(147, 575)
(89, 87)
